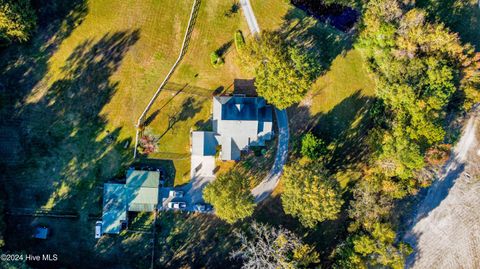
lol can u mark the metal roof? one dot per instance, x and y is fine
(142, 199)
(139, 178)
(114, 208)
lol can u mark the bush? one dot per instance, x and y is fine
(216, 60)
(239, 41)
(312, 147)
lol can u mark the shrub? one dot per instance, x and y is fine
(312, 147)
(239, 41)
(216, 60)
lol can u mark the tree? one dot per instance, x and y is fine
(284, 73)
(310, 194)
(312, 146)
(269, 247)
(370, 249)
(17, 21)
(230, 196)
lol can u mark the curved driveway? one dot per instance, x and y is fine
(266, 187)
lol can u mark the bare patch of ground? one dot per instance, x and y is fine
(446, 229)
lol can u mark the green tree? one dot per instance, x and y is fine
(371, 249)
(230, 196)
(283, 72)
(312, 146)
(269, 247)
(17, 21)
(310, 194)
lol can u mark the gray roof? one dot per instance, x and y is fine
(114, 208)
(240, 121)
(204, 143)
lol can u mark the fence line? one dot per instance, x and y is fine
(186, 38)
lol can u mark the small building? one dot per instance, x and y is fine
(41, 232)
(238, 122)
(138, 194)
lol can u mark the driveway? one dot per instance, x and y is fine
(445, 232)
(266, 187)
(251, 20)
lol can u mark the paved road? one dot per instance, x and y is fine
(445, 231)
(266, 187)
(251, 20)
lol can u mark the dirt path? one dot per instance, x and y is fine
(446, 228)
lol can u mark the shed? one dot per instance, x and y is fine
(41, 232)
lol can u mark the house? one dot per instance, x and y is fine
(237, 123)
(138, 194)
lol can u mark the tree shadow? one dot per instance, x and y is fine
(224, 48)
(426, 202)
(68, 155)
(190, 107)
(344, 128)
(321, 41)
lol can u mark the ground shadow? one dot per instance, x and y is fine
(69, 153)
(189, 108)
(244, 86)
(319, 40)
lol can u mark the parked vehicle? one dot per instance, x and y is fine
(98, 229)
(176, 194)
(177, 205)
(203, 208)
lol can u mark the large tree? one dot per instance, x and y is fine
(230, 196)
(17, 21)
(276, 248)
(310, 195)
(283, 72)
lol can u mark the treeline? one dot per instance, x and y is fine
(423, 73)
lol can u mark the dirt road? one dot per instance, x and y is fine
(446, 227)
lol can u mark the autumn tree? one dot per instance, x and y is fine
(310, 195)
(230, 196)
(17, 21)
(268, 247)
(283, 72)
(372, 248)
